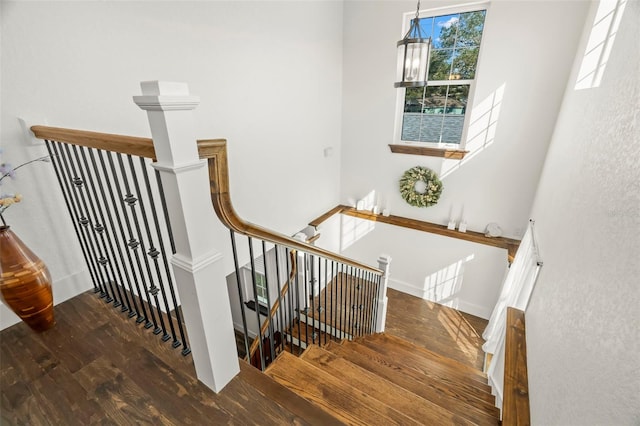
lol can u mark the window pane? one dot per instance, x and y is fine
(464, 64)
(439, 117)
(413, 99)
(470, 29)
(445, 30)
(421, 127)
(434, 100)
(457, 99)
(426, 25)
(440, 64)
(462, 31)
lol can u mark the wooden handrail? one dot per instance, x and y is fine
(515, 404)
(276, 304)
(142, 147)
(215, 151)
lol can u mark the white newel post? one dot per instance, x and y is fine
(197, 265)
(383, 264)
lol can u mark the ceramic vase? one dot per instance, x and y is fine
(25, 283)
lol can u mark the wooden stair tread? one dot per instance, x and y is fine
(473, 396)
(284, 397)
(412, 347)
(469, 408)
(426, 364)
(345, 402)
(407, 402)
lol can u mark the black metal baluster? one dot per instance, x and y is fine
(312, 283)
(126, 304)
(371, 302)
(105, 237)
(66, 193)
(272, 335)
(297, 304)
(361, 303)
(281, 305)
(165, 213)
(290, 293)
(130, 242)
(332, 316)
(240, 295)
(352, 302)
(341, 303)
(327, 330)
(263, 365)
(375, 303)
(307, 280)
(98, 226)
(85, 220)
(167, 222)
(116, 213)
(367, 298)
(135, 244)
(152, 252)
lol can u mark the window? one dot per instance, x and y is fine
(436, 114)
(261, 288)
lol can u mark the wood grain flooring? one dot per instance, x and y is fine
(96, 366)
(443, 330)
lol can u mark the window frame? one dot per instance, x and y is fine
(248, 286)
(439, 149)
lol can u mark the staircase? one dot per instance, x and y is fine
(386, 380)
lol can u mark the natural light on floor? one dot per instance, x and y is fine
(461, 332)
(482, 129)
(603, 34)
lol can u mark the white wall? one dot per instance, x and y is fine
(583, 328)
(528, 47)
(268, 75)
(456, 273)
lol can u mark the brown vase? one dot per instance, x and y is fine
(25, 283)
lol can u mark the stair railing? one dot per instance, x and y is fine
(124, 221)
(320, 295)
(119, 214)
(274, 309)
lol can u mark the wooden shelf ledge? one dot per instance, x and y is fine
(453, 154)
(511, 245)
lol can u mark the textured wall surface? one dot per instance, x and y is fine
(583, 327)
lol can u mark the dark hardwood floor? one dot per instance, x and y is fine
(96, 366)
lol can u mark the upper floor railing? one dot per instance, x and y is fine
(119, 214)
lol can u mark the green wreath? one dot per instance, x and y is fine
(429, 187)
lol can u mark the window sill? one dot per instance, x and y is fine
(251, 304)
(453, 154)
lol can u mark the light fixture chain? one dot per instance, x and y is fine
(418, 11)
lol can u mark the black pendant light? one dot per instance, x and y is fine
(413, 55)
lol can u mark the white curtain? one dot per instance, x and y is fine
(516, 291)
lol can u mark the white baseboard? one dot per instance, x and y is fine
(63, 289)
(459, 304)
